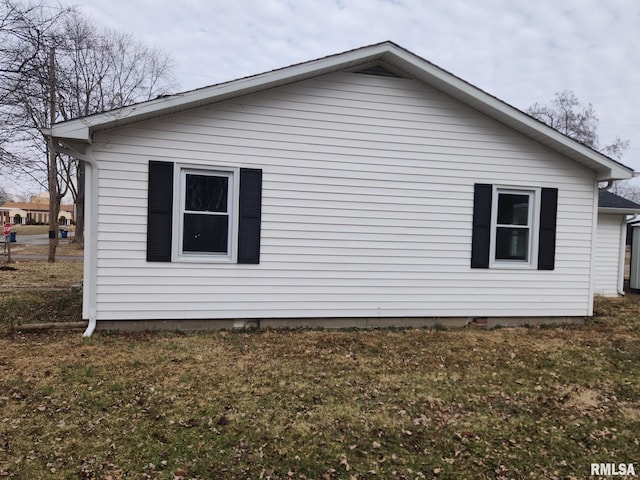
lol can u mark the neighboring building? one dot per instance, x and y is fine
(366, 188)
(35, 211)
(613, 215)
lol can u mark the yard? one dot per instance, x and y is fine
(462, 403)
(35, 291)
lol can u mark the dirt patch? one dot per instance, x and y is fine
(582, 399)
(630, 411)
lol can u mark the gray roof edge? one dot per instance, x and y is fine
(609, 202)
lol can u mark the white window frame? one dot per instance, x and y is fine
(179, 200)
(533, 224)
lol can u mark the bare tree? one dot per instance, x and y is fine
(4, 196)
(95, 70)
(102, 70)
(25, 30)
(567, 115)
(628, 189)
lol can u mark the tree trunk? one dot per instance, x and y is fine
(54, 203)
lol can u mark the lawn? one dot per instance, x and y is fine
(35, 291)
(447, 404)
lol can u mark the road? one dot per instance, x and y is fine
(39, 239)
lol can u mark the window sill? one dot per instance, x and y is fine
(511, 266)
(203, 259)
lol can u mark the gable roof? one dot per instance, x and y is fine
(78, 133)
(611, 203)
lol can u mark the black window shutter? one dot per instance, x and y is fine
(160, 211)
(547, 239)
(250, 215)
(481, 237)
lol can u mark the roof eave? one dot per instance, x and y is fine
(619, 211)
(81, 130)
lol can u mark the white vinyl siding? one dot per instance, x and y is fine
(608, 266)
(366, 209)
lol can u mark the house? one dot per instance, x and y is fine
(613, 215)
(361, 189)
(35, 211)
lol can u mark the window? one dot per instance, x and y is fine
(514, 227)
(513, 220)
(206, 215)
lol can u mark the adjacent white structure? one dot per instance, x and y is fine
(613, 215)
(366, 188)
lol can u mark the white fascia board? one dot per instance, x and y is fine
(618, 211)
(73, 129)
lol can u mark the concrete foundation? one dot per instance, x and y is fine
(332, 323)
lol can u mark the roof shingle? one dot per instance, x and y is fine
(611, 200)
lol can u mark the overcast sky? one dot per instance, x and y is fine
(522, 51)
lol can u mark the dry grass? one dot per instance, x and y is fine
(64, 248)
(35, 291)
(39, 274)
(465, 403)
